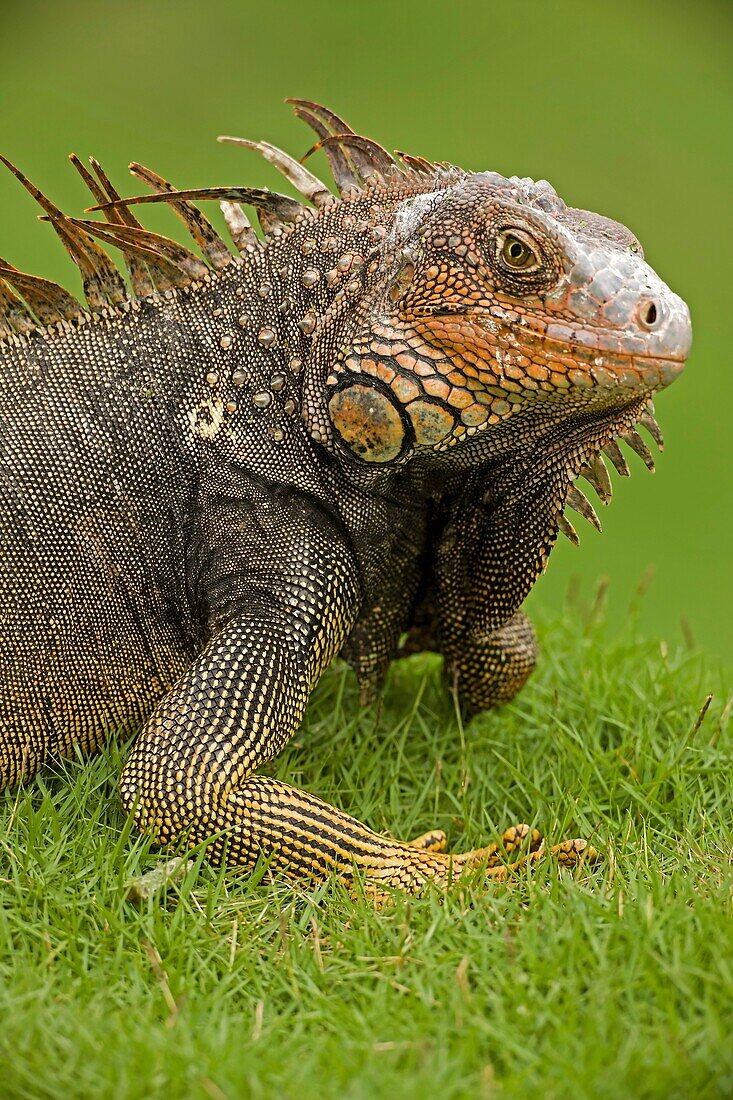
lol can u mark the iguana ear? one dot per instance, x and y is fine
(369, 421)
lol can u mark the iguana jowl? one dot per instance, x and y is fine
(365, 427)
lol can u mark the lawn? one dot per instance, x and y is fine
(616, 981)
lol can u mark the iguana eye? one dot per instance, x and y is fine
(517, 254)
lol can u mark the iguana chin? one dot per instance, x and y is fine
(357, 436)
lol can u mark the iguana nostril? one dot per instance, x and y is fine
(648, 314)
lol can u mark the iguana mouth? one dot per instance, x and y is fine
(681, 359)
(591, 357)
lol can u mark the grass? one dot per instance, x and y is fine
(617, 982)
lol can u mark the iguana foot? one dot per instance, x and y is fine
(489, 669)
(569, 853)
(511, 839)
(436, 841)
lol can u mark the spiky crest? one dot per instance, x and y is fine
(156, 263)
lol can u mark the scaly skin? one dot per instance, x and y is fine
(367, 428)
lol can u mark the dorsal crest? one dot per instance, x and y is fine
(157, 264)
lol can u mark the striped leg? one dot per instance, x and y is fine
(190, 772)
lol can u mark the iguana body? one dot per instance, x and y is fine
(366, 428)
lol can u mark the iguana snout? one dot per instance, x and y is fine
(616, 315)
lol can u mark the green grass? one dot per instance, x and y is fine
(617, 982)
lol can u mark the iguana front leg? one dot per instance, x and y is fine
(487, 555)
(487, 669)
(190, 773)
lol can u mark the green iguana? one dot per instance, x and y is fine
(358, 436)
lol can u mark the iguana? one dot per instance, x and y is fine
(358, 436)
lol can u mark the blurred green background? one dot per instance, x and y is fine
(626, 107)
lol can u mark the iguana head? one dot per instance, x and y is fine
(469, 320)
(494, 311)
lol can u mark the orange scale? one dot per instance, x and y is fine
(406, 359)
(513, 370)
(460, 399)
(404, 389)
(389, 332)
(565, 360)
(486, 341)
(580, 378)
(474, 415)
(436, 388)
(431, 352)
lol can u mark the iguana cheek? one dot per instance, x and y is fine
(368, 422)
(458, 334)
(432, 422)
(479, 375)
